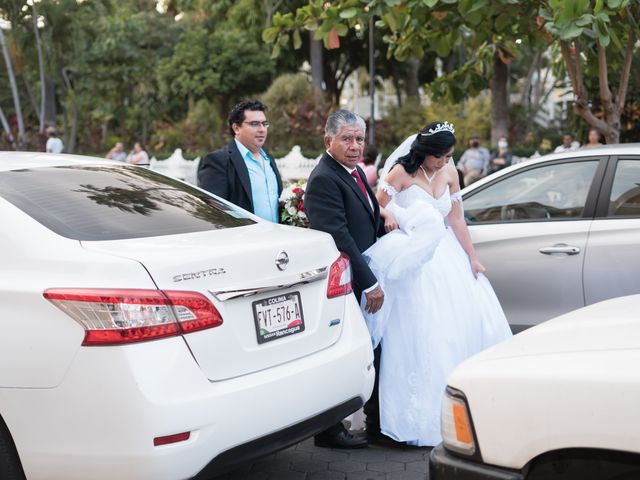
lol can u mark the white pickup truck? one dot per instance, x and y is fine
(558, 401)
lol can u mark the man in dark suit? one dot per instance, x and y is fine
(339, 201)
(242, 172)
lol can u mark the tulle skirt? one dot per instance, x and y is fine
(435, 315)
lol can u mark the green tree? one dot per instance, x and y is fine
(119, 67)
(297, 112)
(596, 39)
(601, 33)
(219, 57)
(415, 28)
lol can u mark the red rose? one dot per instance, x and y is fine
(300, 207)
(296, 190)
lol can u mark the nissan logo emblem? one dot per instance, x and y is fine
(282, 260)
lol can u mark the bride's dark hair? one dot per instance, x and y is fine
(428, 143)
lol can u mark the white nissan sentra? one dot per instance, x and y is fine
(149, 330)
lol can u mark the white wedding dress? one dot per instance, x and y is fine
(435, 313)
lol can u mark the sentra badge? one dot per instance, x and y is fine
(201, 274)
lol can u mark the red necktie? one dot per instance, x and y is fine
(360, 183)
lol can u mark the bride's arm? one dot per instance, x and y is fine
(388, 187)
(390, 222)
(459, 226)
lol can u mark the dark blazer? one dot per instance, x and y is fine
(225, 174)
(334, 204)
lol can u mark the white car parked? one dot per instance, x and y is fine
(558, 401)
(149, 330)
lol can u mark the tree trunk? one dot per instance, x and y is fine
(32, 98)
(316, 54)
(70, 134)
(145, 120)
(50, 104)
(612, 106)
(412, 82)
(270, 8)
(71, 148)
(330, 81)
(499, 101)
(14, 90)
(65, 123)
(43, 90)
(525, 98)
(7, 129)
(396, 84)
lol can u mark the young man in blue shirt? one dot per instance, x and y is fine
(242, 172)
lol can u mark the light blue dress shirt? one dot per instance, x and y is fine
(264, 185)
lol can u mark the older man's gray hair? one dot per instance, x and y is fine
(340, 119)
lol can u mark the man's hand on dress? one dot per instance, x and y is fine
(375, 299)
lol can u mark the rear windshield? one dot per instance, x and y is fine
(104, 202)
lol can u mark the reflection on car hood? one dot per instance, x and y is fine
(610, 325)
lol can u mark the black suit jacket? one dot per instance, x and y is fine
(225, 174)
(335, 204)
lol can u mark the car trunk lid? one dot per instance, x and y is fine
(271, 314)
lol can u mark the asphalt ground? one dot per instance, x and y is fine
(305, 461)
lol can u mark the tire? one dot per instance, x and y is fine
(10, 467)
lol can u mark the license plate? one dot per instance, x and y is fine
(278, 316)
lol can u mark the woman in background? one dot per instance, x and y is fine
(593, 139)
(138, 155)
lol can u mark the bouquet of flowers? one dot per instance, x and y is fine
(292, 205)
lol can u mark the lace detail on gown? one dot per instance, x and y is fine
(388, 189)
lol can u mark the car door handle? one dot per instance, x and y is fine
(560, 248)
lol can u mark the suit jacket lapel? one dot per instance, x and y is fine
(374, 200)
(241, 169)
(348, 179)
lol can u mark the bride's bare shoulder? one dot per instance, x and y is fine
(397, 176)
(450, 171)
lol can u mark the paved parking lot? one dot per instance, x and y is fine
(305, 461)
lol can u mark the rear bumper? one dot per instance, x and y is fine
(444, 466)
(100, 422)
(278, 440)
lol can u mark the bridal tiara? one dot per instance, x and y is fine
(441, 127)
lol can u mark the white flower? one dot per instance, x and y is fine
(292, 210)
(286, 194)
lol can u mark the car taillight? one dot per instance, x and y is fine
(339, 277)
(120, 316)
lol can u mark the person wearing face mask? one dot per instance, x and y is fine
(501, 158)
(474, 161)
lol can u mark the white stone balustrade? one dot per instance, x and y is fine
(293, 166)
(177, 166)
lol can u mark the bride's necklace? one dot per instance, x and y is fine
(429, 179)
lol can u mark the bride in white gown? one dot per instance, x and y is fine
(439, 308)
